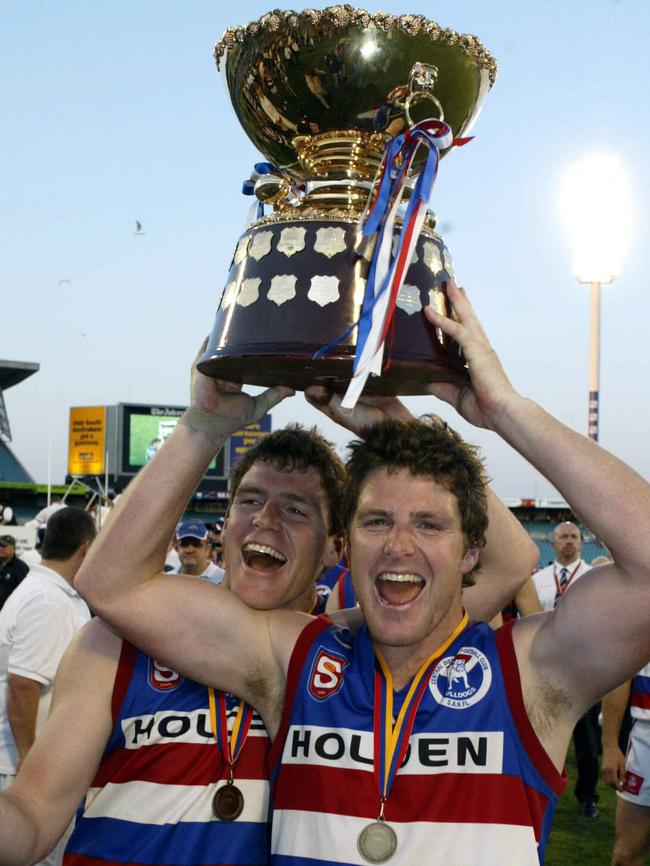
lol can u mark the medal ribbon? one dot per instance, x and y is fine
(232, 745)
(391, 739)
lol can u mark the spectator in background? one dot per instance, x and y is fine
(629, 775)
(45, 513)
(12, 568)
(551, 583)
(6, 515)
(193, 547)
(33, 557)
(36, 625)
(216, 543)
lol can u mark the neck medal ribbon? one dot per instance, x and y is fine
(377, 841)
(228, 801)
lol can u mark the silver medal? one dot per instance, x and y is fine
(377, 842)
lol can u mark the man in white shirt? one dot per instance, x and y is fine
(37, 622)
(44, 514)
(551, 583)
(193, 548)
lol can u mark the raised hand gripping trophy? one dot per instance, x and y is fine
(352, 110)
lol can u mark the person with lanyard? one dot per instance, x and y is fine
(419, 737)
(551, 583)
(176, 772)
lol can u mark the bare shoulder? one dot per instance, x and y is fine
(348, 617)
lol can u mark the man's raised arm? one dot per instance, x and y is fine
(599, 634)
(188, 624)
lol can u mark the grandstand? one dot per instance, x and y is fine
(11, 469)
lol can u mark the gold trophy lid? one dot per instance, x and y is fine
(293, 75)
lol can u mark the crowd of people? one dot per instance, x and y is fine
(220, 707)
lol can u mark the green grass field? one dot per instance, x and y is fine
(578, 841)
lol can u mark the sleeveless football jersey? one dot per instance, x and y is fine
(640, 694)
(151, 799)
(475, 787)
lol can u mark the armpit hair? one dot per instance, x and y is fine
(260, 691)
(550, 703)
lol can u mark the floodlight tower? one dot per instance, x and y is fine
(596, 204)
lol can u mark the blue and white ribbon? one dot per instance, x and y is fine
(387, 268)
(248, 187)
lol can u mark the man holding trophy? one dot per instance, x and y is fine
(419, 737)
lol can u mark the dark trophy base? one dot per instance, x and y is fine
(268, 368)
(294, 286)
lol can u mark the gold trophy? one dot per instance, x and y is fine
(322, 94)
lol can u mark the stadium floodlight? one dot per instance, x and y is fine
(596, 205)
(595, 202)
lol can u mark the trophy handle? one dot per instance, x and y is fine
(423, 78)
(421, 96)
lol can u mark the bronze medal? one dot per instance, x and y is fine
(228, 803)
(377, 842)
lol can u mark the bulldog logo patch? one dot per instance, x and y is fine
(462, 680)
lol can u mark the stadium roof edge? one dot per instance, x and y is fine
(14, 372)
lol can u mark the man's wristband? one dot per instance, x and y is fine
(215, 428)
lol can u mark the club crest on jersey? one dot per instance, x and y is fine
(161, 678)
(461, 680)
(326, 675)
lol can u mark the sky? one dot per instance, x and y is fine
(114, 112)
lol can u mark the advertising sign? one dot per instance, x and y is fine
(245, 439)
(87, 440)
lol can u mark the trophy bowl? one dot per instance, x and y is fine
(320, 93)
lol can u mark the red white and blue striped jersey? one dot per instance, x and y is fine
(338, 583)
(475, 785)
(150, 802)
(640, 694)
(344, 591)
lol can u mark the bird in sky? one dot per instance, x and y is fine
(63, 282)
(138, 228)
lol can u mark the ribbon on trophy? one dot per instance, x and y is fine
(248, 187)
(387, 269)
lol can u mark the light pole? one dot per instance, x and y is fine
(594, 361)
(596, 205)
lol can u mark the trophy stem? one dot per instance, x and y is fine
(339, 168)
(340, 154)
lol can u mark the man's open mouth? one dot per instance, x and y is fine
(262, 557)
(398, 589)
